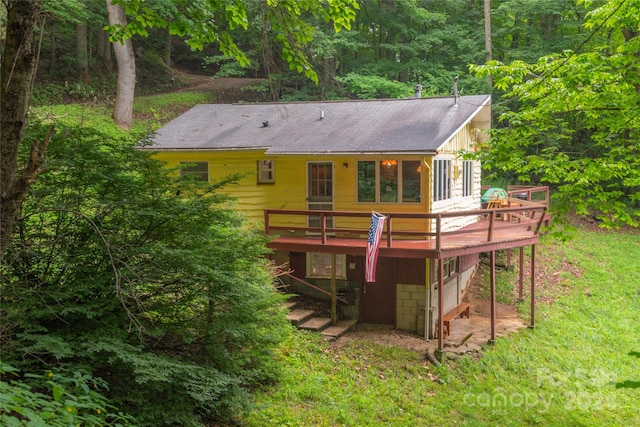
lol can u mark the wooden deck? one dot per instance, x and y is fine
(494, 229)
(434, 237)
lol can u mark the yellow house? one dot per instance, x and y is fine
(314, 172)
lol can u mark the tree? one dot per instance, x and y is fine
(487, 33)
(155, 284)
(126, 63)
(213, 21)
(18, 69)
(574, 122)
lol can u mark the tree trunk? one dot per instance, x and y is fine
(270, 66)
(487, 35)
(167, 49)
(53, 59)
(82, 52)
(103, 49)
(125, 60)
(18, 69)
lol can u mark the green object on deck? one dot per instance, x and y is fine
(494, 194)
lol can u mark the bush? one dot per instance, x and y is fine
(155, 285)
(373, 87)
(70, 399)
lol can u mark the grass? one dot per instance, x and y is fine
(579, 366)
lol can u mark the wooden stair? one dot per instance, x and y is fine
(306, 319)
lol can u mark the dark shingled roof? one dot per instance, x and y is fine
(413, 125)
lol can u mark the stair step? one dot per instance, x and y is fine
(341, 327)
(290, 304)
(299, 316)
(315, 323)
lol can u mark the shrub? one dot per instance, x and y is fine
(155, 285)
(56, 399)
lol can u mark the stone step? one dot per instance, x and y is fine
(289, 305)
(342, 326)
(298, 316)
(315, 323)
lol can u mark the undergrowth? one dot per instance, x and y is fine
(579, 366)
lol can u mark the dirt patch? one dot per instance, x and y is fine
(383, 335)
(227, 90)
(503, 311)
(208, 83)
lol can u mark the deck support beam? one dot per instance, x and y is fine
(492, 278)
(533, 286)
(521, 275)
(440, 304)
(334, 316)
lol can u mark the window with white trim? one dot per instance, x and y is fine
(266, 171)
(467, 178)
(319, 265)
(198, 171)
(441, 180)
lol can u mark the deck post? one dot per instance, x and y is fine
(521, 275)
(533, 286)
(490, 228)
(438, 231)
(323, 228)
(440, 304)
(334, 317)
(492, 278)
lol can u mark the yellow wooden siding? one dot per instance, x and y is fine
(290, 188)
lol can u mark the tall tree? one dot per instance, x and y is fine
(214, 21)
(487, 34)
(82, 52)
(574, 122)
(18, 69)
(126, 63)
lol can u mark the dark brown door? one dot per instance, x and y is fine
(378, 299)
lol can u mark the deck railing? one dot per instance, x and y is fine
(536, 194)
(530, 213)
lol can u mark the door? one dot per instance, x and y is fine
(320, 190)
(378, 299)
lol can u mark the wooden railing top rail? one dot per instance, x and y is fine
(533, 215)
(528, 191)
(322, 291)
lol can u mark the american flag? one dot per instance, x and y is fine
(373, 244)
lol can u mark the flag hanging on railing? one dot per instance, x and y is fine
(373, 245)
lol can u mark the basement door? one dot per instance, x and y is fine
(378, 299)
(319, 190)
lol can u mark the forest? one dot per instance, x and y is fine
(121, 303)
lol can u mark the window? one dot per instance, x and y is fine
(198, 171)
(367, 181)
(467, 178)
(450, 268)
(319, 265)
(411, 181)
(266, 172)
(389, 181)
(441, 180)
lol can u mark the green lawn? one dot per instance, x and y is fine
(578, 367)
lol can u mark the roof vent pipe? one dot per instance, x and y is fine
(418, 89)
(454, 89)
